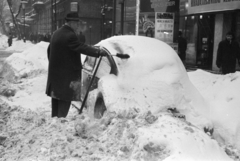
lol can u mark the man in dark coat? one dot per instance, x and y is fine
(182, 47)
(64, 71)
(10, 40)
(227, 54)
(81, 37)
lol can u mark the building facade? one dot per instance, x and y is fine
(151, 18)
(205, 24)
(47, 16)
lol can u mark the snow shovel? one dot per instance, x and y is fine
(122, 56)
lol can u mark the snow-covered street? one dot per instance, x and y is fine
(28, 133)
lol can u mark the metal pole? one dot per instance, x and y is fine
(137, 16)
(114, 18)
(52, 17)
(55, 15)
(103, 19)
(103, 30)
(24, 38)
(122, 17)
(90, 35)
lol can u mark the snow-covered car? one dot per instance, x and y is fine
(152, 79)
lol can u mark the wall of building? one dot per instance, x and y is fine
(226, 15)
(88, 10)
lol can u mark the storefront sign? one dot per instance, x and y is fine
(201, 6)
(164, 26)
(159, 5)
(74, 7)
(156, 18)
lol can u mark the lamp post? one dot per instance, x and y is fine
(23, 6)
(90, 28)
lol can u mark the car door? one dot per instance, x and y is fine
(106, 66)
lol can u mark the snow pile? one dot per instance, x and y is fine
(19, 45)
(30, 62)
(222, 92)
(145, 131)
(152, 79)
(3, 41)
(35, 136)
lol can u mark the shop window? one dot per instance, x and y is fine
(129, 17)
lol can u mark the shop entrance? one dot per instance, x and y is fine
(205, 40)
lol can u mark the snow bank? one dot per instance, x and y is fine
(152, 79)
(19, 45)
(33, 135)
(30, 62)
(222, 92)
(3, 41)
(149, 137)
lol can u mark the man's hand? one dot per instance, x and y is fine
(102, 53)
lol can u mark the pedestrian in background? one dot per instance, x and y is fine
(182, 47)
(10, 39)
(81, 37)
(227, 54)
(65, 68)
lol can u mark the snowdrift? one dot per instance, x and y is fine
(222, 93)
(20, 45)
(150, 135)
(29, 63)
(3, 41)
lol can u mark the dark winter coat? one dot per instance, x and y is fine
(182, 47)
(82, 38)
(10, 40)
(64, 71)
(226, 56)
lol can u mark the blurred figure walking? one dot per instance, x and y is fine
(10, 39)
(182, 47)
(228, 53)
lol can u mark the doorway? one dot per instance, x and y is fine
(205, 41)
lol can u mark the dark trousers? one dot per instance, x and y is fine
(60, 108)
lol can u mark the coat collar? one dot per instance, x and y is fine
(68, 28)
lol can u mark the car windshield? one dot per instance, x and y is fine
(91, 63)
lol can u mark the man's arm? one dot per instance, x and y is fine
(75, 45)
